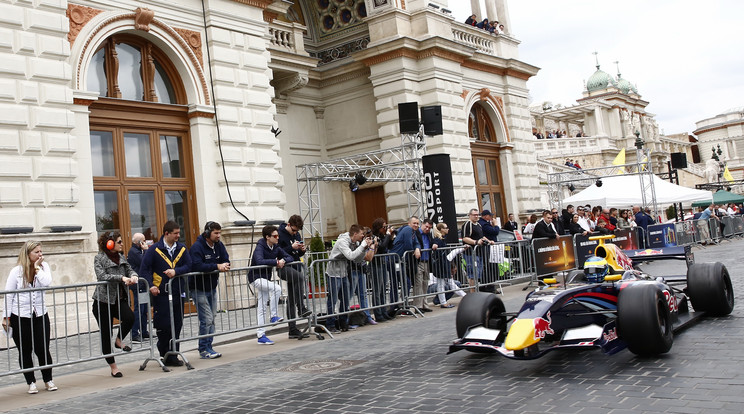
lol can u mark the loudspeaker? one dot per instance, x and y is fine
(679, 160)
(408, 118)
(431, 117)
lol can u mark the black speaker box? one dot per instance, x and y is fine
(679, 160)
(408, 118)
(431, 117)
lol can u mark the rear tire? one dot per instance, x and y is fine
(709, 288)
(480, 309)
(644, 321)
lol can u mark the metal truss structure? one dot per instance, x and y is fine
(585, 177)
(397, 164)
(721, 185)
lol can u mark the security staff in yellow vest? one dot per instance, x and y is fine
(164, 260)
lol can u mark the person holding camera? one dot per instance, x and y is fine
(380, 267)
(290, 240)
(338, 274)
(26, 313)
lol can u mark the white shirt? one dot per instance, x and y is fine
(26, 304)
(584, 223)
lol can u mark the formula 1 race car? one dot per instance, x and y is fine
(608, 305)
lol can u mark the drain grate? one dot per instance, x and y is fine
(320, 365)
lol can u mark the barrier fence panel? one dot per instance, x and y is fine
(343, 292)
(439, 273)
(503, 263)
(66, 325)
(222, 303)
(728, 226)
(715, 228)
(685, 231)
(738, 225)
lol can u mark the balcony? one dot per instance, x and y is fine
(287, 37)
(501, 45)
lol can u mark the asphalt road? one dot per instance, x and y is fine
(402, 367)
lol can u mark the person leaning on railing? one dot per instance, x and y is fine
(26, 314)
(112, 299)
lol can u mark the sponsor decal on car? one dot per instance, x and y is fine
(672, 301)
(649, 252)
(542, 327)
(610, 335)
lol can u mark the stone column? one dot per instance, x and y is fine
(491, 11)
(502, 10)
(476, 9)
(598, 120)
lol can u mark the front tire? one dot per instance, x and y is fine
(480, 309)
(644, 320)
(709, 288)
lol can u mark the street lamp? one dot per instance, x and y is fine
(638, 141)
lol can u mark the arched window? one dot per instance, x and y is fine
(139, 139)
(486, 163)
(129, 67)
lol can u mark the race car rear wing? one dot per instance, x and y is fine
(662, 253)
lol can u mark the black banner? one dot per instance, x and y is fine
(553, 255)
(439, 193)
(661, 235)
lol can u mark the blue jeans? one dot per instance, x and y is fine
(359, 288)
(338, 288)
(473, 273)
(206, 308)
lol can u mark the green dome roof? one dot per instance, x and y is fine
(625, 86)
(599, 80)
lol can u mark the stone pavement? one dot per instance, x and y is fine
(402, 367)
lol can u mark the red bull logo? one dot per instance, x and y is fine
(648, 252)
(542, 327)
(610, 335)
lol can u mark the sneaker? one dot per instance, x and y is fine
(276, 319)
(371, 321)
(49, 386)
(214, 354)
(137, 339)
(305, 313)
(264, 340)
(32, 388)
(298, 334)
(352, 327)
(209, 355)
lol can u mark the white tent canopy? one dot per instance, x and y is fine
(625, 190)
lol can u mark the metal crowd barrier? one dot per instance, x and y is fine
(380, 285)
(505, 263)
(685, 231)
(74, 335)
(236, 303)
(448, 275)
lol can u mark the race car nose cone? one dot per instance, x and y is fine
(521, 335)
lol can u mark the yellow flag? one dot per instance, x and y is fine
(727, 175)
(620, 160)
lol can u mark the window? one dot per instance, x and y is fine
(486, 162)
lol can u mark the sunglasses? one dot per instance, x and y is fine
(276, 236)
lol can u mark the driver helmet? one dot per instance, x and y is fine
(595, 269)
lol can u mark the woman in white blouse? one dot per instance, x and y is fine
(26, 313)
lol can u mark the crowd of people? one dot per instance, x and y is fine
(586, 220)
(555, 134)
(493, 27)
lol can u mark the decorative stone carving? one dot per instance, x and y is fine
(711, 171)
(319, 112)
(290, 84)
(142, 18)
(193, 39)
(282, 105)
(79, 16)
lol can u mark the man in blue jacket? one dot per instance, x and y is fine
(209, 256)
(163, 261)
(406, 241)
(290, 240)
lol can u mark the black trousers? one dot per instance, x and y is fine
(105, 314)
(295, 292)
(161, 321)
(31, 335)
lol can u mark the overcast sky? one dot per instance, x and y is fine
(686, 57)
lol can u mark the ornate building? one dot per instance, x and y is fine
(724, 135)
(122, 115)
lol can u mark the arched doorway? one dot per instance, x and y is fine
(486, 163)
(139, 139)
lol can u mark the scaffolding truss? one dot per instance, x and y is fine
(396, 164)
(585, 177)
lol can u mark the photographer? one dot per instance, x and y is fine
(359, 271)
(290, 241)
(380, 267)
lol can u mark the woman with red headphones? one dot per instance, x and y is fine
(112, 299)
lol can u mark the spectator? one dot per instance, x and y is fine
(472, 234)
(111, 301)
(380, 266)
(556, 222)
(605, 215)
(544, 228)
(471, 21)
(483, 24)
(163, 261)
(613, 218)
(697, 214)
(141, 311)
(267, 253)
(622, 221)
(575, 228)
(406, 241)
(26, 314)
(208, 256)
(708, 213)
(529, 228)
(290, 240)
(421, 281)
(511, 224)
(583, 221)
(602, 227)
(641, 218)
(501, 29)
(337, 271)
(488, 224)
(440, 265)
(567, 216)
(359, 272)
(576, 165)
